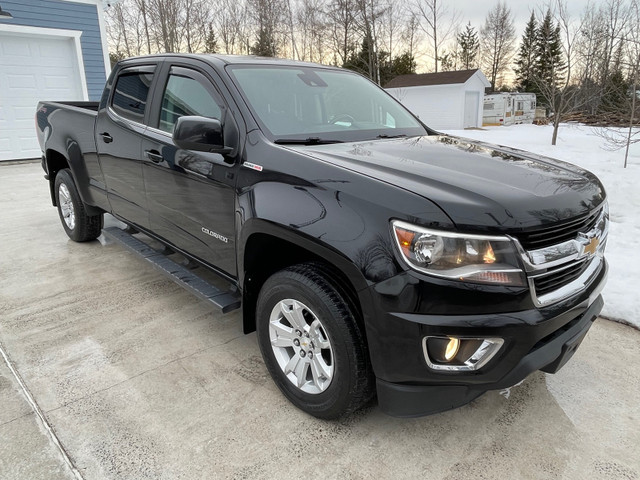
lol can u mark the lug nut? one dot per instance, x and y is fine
(303, 353)
(306, 334)
(310, 355)
(296, 342)
(298, 333)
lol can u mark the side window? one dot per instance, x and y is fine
(130, 95)
(186, 96)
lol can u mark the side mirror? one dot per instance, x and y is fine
(201, 134)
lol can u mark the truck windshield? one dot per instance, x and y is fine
(295, 104)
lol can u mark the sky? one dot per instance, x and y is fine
(475, 11)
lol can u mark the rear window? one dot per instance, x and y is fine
(130, 95)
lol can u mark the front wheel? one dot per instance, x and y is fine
(79, 226)
(312, 344)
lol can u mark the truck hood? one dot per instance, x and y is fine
(478, 185)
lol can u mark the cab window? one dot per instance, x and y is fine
(130, 95)
(186, 94)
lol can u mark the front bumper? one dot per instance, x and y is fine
(535, 339)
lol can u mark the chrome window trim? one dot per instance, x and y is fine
(119, 117)
(160, 132)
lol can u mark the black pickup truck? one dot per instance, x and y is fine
(372, 254)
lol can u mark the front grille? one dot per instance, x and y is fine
(545, 237)
(558, 277)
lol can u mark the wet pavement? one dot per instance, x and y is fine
(137, 379)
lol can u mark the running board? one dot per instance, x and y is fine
(225, 301)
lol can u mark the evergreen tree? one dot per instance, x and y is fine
(265, 46)
(468, 46)
(615, 96)
(210, 42)
(358, 60)
(616, 93)
(550, 64)
(403, 64)
(449, 61)
(527, 58)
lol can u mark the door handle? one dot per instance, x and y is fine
(154, 155)
(106, 138)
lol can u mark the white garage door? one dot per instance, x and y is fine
(32, 68)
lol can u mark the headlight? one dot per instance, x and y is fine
(469, 258)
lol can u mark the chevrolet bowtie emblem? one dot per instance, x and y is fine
(592, 246)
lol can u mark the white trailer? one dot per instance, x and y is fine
(508, 108)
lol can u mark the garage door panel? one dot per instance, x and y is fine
(32, 68)
(5, 147)
(12, 48)
(60, 82)
(48, 51)
(26, 144)
(22, 114)
(19, 81)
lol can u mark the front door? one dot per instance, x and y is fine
(471, 109)
(190, 194)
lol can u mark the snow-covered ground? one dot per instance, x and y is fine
(580, 145)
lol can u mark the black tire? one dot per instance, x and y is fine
(84, 227)
(351, 384)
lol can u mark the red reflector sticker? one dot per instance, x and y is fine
(252, 166)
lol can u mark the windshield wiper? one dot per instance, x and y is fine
(305, 141)
(384, 135)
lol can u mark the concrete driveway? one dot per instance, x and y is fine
(135, 379)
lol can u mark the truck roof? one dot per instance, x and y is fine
(228, 59)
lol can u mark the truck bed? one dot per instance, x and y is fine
(93, 106)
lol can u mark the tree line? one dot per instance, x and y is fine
(587, 63)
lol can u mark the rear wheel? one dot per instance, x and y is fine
(311, 343)
(78, 225)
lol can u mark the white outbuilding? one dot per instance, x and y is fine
(445, 100)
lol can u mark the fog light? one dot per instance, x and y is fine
(456, 354)
(452, 349)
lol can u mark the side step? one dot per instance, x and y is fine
(224, 301)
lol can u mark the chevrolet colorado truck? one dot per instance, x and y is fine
(372, 255)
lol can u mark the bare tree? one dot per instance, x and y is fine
(367, 21)
(341, 18)
(312, 28)
(437, 22)
(589, 52)
(231, 21)
(411, 34)
(617, 139)
(557, 86)
(615, 14)
(142, 6)
(497, 42)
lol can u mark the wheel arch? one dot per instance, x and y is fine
(266, 248)
(57, 161)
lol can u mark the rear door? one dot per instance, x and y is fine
(119, 131)
(190, 194)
